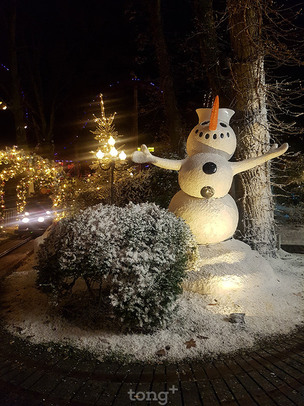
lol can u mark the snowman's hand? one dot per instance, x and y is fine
(278, 151)
(143, 156)
(250, 163)
(273, 147)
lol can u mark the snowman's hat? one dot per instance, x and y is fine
(214, 115)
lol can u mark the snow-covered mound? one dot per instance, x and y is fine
(234, 275)
(232, 279)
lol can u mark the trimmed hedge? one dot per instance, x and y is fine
(139, 252)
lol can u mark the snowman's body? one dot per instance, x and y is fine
(211, 221)
(205, 176)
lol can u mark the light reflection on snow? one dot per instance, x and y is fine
(228, 258)
(230, 282)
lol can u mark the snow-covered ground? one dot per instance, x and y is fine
(231, 279)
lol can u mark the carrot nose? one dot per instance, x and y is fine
(214, 114)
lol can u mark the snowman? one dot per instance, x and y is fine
(205, 176)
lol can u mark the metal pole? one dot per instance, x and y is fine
(135, 117)
(112, 167)
(135, 113)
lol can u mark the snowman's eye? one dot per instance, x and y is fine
(223, 124)
(204, 122)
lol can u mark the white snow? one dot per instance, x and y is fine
(233, 279)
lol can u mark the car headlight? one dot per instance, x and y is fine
(25, 220)
(40, 219)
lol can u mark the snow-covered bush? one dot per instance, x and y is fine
(139, 252)
(153, 185)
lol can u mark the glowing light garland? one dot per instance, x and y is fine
(33, 170)
(106, 135)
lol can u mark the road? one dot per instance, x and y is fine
(14, 258)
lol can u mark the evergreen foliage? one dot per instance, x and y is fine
(132, 258)
(153, 185)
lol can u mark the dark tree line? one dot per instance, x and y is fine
(33, 85)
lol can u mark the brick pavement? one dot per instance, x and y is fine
(39, 375)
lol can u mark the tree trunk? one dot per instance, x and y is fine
(166, 80)
(42, 111)
(16, 96)
(253, 187)
(211, 57)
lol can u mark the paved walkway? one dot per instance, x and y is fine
(40, 375)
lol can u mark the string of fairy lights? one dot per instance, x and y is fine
(106, 135)
(30, 170)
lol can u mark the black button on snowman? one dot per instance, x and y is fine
(205, 176)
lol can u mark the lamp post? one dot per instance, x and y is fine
(112, 155)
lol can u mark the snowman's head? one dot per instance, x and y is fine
(213, 133)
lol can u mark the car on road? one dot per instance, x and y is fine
(36, 217)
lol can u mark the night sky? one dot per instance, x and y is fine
(86, 48)
(86, 44)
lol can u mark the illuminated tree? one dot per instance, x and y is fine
(109, 158)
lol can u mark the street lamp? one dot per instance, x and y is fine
(122, 156)
(112, 155)
(113, 152)
(3, 106)
(99, 154)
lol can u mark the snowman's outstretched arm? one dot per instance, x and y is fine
(144, 156)
(250, 163)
